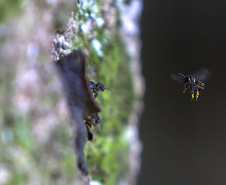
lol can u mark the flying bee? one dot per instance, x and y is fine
(195, 82)
(97, 87)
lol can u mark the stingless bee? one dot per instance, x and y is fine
(195, 82)
(90, 121)
(96, 88)
(94, 119)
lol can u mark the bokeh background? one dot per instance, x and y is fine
(184, 141)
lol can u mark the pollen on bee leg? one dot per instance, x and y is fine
(192, 95)
(197, 93)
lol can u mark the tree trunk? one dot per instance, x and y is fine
(55, 127)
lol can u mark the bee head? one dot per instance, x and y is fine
(200, 85)
(100, 86)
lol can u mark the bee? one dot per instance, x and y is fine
(94, 119)
(195, 82)
(96, 88)
(90, 121)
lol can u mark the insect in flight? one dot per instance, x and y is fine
(195, 82)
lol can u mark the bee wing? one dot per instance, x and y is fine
(92, 85)
(178, 77)
(202, 74)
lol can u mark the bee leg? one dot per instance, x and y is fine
(95, 94)
(192, 95)
(185, 88)
(197, 94)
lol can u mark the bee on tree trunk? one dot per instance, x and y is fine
(96, 88)
(94, 119)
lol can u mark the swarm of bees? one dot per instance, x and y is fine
(94, 119)
(195, 82)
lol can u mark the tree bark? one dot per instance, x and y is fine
(45, 102)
